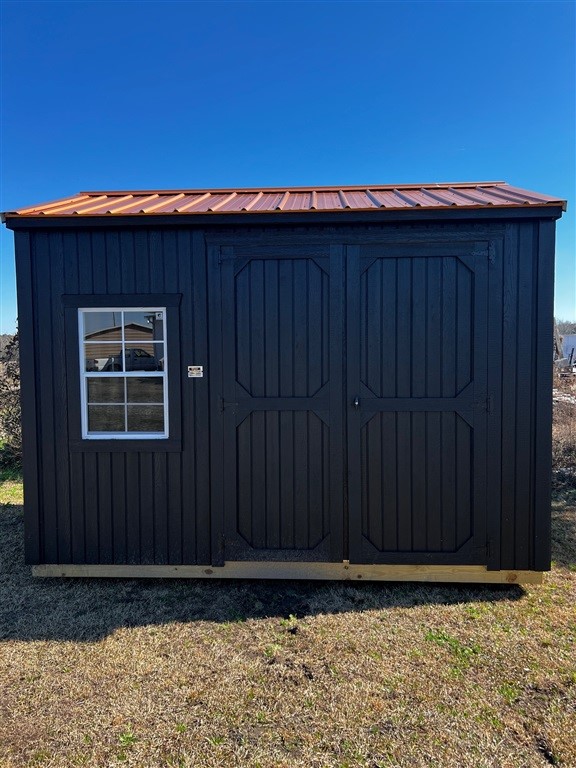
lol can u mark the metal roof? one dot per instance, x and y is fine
(488, 194)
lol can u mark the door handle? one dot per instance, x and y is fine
(356, 402)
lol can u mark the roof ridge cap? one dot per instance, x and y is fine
(318, 188)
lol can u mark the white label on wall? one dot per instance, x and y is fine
(195, 371)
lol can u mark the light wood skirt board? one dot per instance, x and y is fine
(304, 571)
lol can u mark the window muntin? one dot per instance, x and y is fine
(124, 389)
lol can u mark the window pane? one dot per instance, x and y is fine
(146, 390)
(106, 418)
(105, 389)
(145, 418)
(102, 326)
(144, 357)
(124, 341)
(103, 357)
(144, 326)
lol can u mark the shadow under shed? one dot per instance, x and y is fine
(90, 609)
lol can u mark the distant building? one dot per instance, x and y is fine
(569, 345)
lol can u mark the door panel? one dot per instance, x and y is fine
(281, 402)
(416, 352)
(284, 495)
(416, 481)
(416, 334)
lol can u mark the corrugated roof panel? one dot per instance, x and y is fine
(220, 201)
(253, 200)
(137, 205)
(389, 199)
(239, 203)
(298, 201)
(268, 202)
(207, 204)
(113, 204)
(461, 198)
(170, 203)
(190, 202)
(537, 197)
(164, 203)
(328, 201)
(97, 205)
(44, 207)
(67, 208)
(413, 197)
(358, 199)
(486, 196)
(506, 199)
(467, 197)
(377, 197)
(512, 197)
(430, 197)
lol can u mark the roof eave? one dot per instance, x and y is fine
(364, 215)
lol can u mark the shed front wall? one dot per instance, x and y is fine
(141, 505)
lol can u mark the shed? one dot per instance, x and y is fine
(308, 383)
(569, 346)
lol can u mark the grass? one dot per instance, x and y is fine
(564, 433)
(104, 673)
(182, 674)
(10, 486)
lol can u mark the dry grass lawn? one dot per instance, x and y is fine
(108, 673)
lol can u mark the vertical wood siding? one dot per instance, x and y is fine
(517, 413)
(152, 507)
(417, 482)
(114, 507)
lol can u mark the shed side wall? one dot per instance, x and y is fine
(527, 317)
(28, 396)
(543, 429)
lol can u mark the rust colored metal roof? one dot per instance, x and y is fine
(489, 194)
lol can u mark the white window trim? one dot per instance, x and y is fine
(85, 375)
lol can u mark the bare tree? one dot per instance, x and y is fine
(566, 326)
(10, 414)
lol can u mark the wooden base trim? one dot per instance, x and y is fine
(306, 571)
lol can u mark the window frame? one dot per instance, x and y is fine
(85, 375)
(129, 442)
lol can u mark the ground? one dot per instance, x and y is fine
(277, 674)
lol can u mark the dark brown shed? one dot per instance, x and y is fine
(317, 382)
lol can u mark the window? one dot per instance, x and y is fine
(123, 364)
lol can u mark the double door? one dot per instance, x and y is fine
(349, 402)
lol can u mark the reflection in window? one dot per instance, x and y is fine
(123, 373)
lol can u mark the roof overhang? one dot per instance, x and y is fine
(317, 204)
(288, 219)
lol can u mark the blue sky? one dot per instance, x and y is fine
(116, 95)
